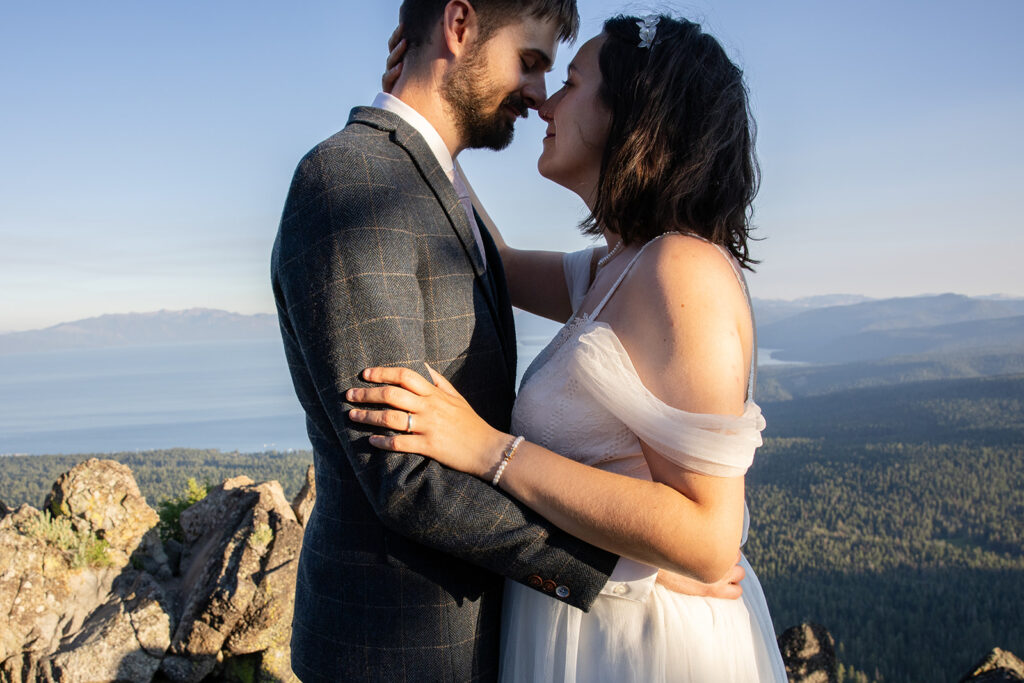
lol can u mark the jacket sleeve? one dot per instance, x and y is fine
(345, 269)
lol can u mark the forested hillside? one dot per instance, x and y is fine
(160, 474)
(783, 382)
(894, 516)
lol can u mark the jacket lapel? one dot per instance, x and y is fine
(495, 288)
(413, 143)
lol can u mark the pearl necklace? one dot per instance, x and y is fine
(601, 262)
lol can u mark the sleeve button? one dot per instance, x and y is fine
(562, 592)
(534, 581)
(549, 586)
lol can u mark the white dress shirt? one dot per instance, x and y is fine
(390, 103)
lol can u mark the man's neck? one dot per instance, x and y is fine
(423, 96)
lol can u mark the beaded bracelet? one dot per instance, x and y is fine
(505, 458)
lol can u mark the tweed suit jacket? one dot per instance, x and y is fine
(400, 575)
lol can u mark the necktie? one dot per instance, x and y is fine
(467, 206)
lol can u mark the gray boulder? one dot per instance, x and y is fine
(809, 652)
(306, 497)
(238, 572)
(152, 557)
(57, 569)
(998, 666)
(78, 611)
(102, 497)
(122, 640)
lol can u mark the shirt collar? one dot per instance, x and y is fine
(389, 102)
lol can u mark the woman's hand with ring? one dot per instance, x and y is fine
(397, 46)
(444, 426)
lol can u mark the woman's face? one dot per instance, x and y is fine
(578, 124)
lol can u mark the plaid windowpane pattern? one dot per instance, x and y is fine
(400, 577)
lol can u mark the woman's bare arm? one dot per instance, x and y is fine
(683, 319)
(683, 521)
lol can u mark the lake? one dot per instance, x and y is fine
(225, 395)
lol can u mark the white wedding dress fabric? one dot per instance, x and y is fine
(581, 397)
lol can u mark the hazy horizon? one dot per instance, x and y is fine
(836, 295)
(149, 147)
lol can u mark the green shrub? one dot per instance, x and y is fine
(261, 535)
(85, 548)
(170, 510)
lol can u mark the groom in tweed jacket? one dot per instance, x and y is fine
(377, 262)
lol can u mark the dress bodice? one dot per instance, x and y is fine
(555, 410)
(582, 397)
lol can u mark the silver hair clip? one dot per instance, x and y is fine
(648, 28)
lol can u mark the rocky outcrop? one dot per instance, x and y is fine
(88, 592)
(102, 498)
(238, 575)
(999, 666)
(57, 568)
(124, 639)
(809, 652)
(304, 500)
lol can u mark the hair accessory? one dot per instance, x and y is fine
(505, 458)
(648, 28)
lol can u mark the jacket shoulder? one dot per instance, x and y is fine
(353, 151)
(350, 164)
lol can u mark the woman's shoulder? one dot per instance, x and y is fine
(683, 319)
(677, 270)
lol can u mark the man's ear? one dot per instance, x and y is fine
(459, 26)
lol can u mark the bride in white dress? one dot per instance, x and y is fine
(639, 417)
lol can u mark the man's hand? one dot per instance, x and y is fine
(726, 588)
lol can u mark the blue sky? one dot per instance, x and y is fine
(147, 147)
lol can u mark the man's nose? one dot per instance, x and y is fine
(544, 111)
(535, 92)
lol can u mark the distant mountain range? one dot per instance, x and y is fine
(885, 328)
(143, 329)
(823, 330)
(767, 311)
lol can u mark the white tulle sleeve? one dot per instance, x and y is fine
(577, 274)
(716, 445)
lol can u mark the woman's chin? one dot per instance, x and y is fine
(549, 169)
(544, 169)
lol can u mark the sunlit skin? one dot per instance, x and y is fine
(577, 127)
(683, 319)
(517, 57)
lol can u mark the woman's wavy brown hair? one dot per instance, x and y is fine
(680, 151)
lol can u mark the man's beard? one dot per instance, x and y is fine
(467, 91)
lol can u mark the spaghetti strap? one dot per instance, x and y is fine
(625, 271)
(752, 377)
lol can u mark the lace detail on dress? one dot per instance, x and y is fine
(555, 411)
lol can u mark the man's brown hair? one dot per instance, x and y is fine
(419, 17)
